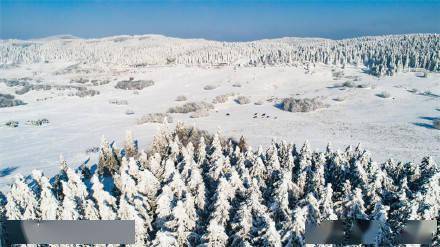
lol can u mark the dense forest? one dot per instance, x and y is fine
(192, 188)
(380, 55)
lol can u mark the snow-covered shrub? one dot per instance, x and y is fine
(219, 99)
(155, 118)
(209, 87)
(8, 100)
(96, 82)
(181, 98)
(383, 94)
(243, 100)
(38, 122)
(87, 92)
(301, 105)
(23, 90)
(436, 123)
(199, 114)
(12, 124)
(217, 192)
(191, 107)
(79, 80)
(16, 82)
(134, 85)
(118, 101)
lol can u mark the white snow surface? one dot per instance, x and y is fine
(398, 127)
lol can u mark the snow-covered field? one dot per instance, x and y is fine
(398, 126)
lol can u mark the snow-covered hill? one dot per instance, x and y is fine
(381, 54)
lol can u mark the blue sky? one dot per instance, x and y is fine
(239, 20)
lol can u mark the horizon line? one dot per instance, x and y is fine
(70, 36)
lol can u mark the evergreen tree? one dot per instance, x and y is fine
(105, 202)
(181, 224)
(21, 202)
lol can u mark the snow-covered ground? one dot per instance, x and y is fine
(398, 127)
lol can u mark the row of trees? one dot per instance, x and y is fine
(192, 188)
(382, 55)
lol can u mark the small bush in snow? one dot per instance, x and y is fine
(383, 94)
(38, 122)
(339, 99)
(12, 124)
(134, 85)
(87, 92)
(79, 80)
(236, 85)
(7, 100)
(199, 114)
(222, 98)
(242, 100)
(181, 98)
(301, 105)
(436, 123)
(155, 118)
(209, 87)
(99, 83)
(191, 107)
(23, 90)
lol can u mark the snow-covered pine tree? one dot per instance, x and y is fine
(380, 214)
(126, 211)
(327, 205)
(69, 208)
(108, 160)
(164, 205)
(196, 187)
(130, 145)
(181, 225)
(48, 203)
(222, 204)
(241, 225)
(105, 202)
(21, 202)
(165, 239)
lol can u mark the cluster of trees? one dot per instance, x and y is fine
(192, 188)
(382, 55)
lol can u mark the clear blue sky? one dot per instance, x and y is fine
(220, 20)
